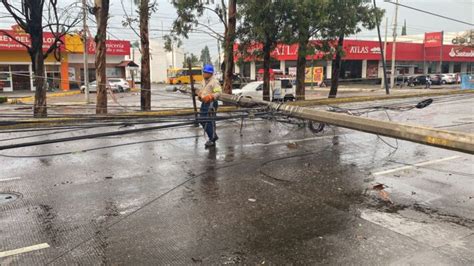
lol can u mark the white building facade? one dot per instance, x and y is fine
(160, 60)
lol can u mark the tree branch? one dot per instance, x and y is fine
(12, 10)
(218, 15)
(210, 29)
(129, 20)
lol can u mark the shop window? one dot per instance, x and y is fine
(457, 68)
(372, 69)
(445, 67)
(274, 64)
(20, 77)
(351, 69)
(245, 69)
(114, 72)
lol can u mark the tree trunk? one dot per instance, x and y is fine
(336, 68)
(37, 60)
(145, 92)
(266, 71)
(101, 14)
(301, 68)
(229, 47)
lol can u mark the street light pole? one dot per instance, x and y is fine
(85, 56)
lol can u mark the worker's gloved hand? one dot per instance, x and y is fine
(208, 98)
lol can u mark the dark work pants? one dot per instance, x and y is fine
(208, 112)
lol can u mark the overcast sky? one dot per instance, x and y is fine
(417, 22)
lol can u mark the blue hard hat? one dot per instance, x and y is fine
(208, 69)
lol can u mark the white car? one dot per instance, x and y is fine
(113, 86)
(93, 87)
(120, 84)
(252, 89)
(282, 90)
(448, 78)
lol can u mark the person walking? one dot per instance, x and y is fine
(208, 95)
(428, 82)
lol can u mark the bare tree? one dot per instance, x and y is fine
(33, 20)
(101, 12)
(189, 15)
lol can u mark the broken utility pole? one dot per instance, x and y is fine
(450, 140)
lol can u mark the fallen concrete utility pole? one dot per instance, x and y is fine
(456, 141)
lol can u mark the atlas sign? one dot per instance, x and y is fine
(364, 50)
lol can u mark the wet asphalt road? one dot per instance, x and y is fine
(272, 193)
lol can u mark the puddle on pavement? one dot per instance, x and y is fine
(6, 198)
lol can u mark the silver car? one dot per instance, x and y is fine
(93, 87)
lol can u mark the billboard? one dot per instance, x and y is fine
(72, 43)
(433, 39)
(314, 74)
(9, 44)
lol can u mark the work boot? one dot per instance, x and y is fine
(209, 144)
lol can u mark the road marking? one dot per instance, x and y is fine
(267, 182)
(4, 254)
(10, 179)
(416, 165)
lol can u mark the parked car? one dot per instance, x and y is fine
(448, 78)
(435, 79)
(93, 87)
(252, 89)
(119, 83)
(283, 90)
(418, 80)
(402, 81)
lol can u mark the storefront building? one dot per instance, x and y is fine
(16, 72)
(362, 60)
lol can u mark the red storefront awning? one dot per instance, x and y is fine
(370, 50)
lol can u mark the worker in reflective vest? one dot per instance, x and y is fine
(208, 95)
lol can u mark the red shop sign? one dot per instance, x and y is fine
(114, 47)
(433, 39)
(9, 44)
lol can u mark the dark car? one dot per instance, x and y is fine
(402, 81)
(418, 80)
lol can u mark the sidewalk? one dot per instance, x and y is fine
(28, 96)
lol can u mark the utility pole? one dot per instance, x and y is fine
(85, 55)
(394, 45)
(219, 57)
(457, 141)
(441, 53)
(385, 51)
(193, 91)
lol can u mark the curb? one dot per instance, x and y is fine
(50, 95)
(325, 101)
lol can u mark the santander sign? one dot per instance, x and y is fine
(454, 53)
